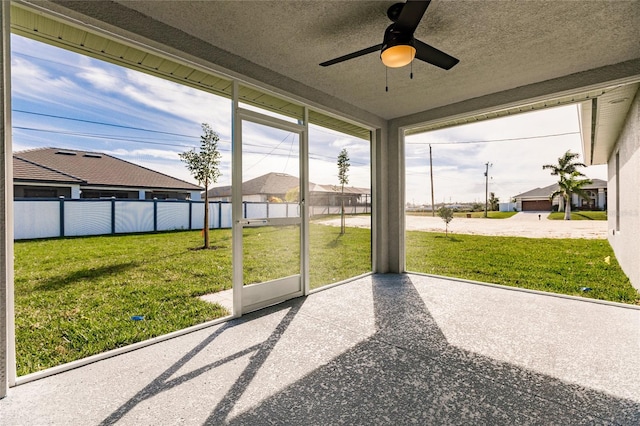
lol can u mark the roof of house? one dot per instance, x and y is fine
(548, 190)
(279, 183)
(91, 169)
(271, 183)
(24, 170)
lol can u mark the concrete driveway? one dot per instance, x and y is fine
(523, 224)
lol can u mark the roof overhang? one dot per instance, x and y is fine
(567, 54)
(602, 120)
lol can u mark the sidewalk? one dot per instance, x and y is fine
(523, 224)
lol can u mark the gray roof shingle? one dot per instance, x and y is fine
(280, 183)
(93, 168)
(26, 171)
(548, 190)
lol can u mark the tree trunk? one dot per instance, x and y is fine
(561, 204)
(567, 210)
(206, 214)
(342, 224)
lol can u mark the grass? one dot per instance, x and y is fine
(555, 265)
(579, 215)
(76, 297)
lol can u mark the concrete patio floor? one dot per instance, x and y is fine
(384, 349)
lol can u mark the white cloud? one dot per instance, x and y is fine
(101, 79)
(32, 82)
(516, 164)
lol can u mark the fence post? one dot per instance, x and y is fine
(155, 214)
(219, 214)
(190, 214)
(62, 215)
(113, 215)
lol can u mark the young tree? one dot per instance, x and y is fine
(204, 166)
(569, 185)
(292, 195)
(567, 165)
(446, 214)
(343, 178)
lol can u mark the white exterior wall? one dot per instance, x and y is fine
(75, 191)
(624, 240)
(601, 198)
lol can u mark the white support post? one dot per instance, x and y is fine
(236, 199)
(7, 331)
(304, 202)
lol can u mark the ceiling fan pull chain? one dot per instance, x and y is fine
(386, 79)
(411, 75)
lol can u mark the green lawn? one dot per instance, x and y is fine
(75, 297)
(555, 265)
(588, 215)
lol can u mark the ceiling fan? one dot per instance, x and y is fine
(399, 47)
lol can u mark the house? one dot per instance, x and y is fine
(275, 186)
(611, 136)
(265, 188)
(514, 57)
(54, 173)
(539, 199)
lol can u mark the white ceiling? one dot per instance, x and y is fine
(501, 44)
(514, 55)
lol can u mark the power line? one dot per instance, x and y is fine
(103, 123)
(98, 136)
(286, 153)
(496, 140)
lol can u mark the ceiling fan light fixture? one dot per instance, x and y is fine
(398, 56)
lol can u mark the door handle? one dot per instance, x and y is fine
(253, 222)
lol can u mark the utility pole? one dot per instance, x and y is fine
(433, 212)
(486, 188)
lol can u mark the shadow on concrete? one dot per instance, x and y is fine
(260, 353)
(407, 373)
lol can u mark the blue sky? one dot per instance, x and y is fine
(516, 147)
(66, 100)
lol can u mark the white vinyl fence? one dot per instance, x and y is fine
(72, 217)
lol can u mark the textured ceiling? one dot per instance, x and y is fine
(501, 44)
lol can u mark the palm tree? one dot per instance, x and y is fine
(494, 202)
(567, 165)
(569, 185)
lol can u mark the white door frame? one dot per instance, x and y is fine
(257, 296)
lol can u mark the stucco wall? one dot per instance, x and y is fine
(624, 240)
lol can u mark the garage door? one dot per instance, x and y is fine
(537, 205)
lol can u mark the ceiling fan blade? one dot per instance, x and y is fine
(436, 57)
(362, 52)
(412, 13)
